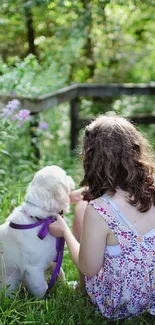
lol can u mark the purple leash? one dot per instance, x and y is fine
(42, 234)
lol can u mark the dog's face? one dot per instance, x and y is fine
(50, 189)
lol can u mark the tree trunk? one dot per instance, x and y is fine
(30, 31)
(88, 47)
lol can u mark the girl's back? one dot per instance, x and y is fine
(141, 222)
(125, 285)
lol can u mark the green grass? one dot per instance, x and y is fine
(64, 306)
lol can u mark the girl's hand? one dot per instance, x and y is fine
(76, 196)
(58, 228)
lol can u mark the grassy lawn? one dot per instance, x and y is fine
(64, 306)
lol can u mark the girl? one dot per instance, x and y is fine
(113, 244)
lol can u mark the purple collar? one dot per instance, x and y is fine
(42, 234)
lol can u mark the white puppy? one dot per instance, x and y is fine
(24, 256)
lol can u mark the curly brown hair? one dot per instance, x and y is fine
(116, 155)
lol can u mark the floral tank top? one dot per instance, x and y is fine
(125, 285)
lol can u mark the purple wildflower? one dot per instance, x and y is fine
(43, 126)
(6, 112)
(22, 115)
(13, 105)
(9, 109)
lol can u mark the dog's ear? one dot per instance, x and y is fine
(58, 198)
(36, 195)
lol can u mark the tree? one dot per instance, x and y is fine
(87, 40)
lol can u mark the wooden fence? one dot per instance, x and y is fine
(73, 94)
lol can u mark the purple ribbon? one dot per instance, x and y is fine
(42, 234)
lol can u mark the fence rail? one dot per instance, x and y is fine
(73, 94)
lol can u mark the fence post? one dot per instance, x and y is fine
(74, 118)
(34, 123)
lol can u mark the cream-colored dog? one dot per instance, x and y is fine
(24, 257)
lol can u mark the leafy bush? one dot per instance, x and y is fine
(26, 77)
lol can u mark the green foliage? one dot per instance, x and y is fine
(26, 77)
(78, 41)
(16, 159)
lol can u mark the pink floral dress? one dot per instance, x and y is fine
(125, 285)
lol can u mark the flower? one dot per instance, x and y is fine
(9, 109)
(43, 126)
(22, 115)
(13, 105)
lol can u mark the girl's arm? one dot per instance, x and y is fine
(89, 254)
